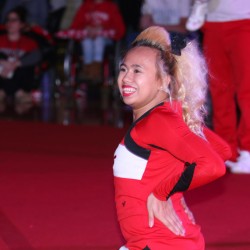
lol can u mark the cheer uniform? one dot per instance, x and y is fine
(160, 155)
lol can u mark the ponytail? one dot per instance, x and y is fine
(191, 74)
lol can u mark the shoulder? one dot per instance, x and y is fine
(28, 39)
(165, 117)
(162, 125)
(110, 5)
(85, 6)
(28, 42)
(3, 38)
(165, 113)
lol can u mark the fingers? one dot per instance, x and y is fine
(190, 216)
(164, 212)
(150, 210)
(173, 223)
(171, 220)
(151, 219)
(187, 211)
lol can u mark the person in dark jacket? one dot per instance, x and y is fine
(19, 55)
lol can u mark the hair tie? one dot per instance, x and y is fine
(178, 42)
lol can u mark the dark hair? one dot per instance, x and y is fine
(21, 13)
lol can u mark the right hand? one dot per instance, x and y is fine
(93, 32)
(164, 212)
(7, 68)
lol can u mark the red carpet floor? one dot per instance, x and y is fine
(56, 192)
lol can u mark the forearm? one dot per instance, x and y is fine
(31, 58)
(218, 144)
(193, 176)
(195, 162)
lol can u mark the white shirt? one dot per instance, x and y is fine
(167, 12)
(228, 10)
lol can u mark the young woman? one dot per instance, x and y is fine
(167, 150)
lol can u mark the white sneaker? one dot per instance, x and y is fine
(230, 164)
(242, 165)
(197, 17)
(123, 248)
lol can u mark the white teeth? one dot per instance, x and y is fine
(128, 90)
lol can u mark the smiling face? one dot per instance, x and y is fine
(137, 80)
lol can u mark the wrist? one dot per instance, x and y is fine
(18, 63)
(158, 196)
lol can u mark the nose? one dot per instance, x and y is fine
(127, 77)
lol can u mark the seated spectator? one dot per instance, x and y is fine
(19, 55)
(101, 22)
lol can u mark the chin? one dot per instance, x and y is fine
(127, 102)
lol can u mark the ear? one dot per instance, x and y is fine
(166, 81)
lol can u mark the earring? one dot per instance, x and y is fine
(167, 90)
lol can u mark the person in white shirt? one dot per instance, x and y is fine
(172, 15)
(197, 16)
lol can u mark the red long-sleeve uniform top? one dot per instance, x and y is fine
(105, 15)
(160, 154)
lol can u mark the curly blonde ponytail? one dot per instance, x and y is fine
(191, 74)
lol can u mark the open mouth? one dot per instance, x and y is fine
(127, 90)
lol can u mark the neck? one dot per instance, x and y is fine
(138, 112)
(14, 36)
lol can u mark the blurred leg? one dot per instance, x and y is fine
(99, 48)
(239, 35)
(222, 87)
(25, 78)
(87, 48)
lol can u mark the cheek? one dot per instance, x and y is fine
(119, 81)
(148, 85)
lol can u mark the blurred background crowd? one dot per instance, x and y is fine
(59, 58)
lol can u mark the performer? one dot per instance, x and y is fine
(167, 150)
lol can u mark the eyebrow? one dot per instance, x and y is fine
(132, 66)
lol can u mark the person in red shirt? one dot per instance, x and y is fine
(102, 23)
(167, 150)
(18, 56)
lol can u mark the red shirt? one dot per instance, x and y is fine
(152, 158)
(16, 49)
(105, 15)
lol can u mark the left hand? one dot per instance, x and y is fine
(8, 67)
(93, 32)
(164, 212)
